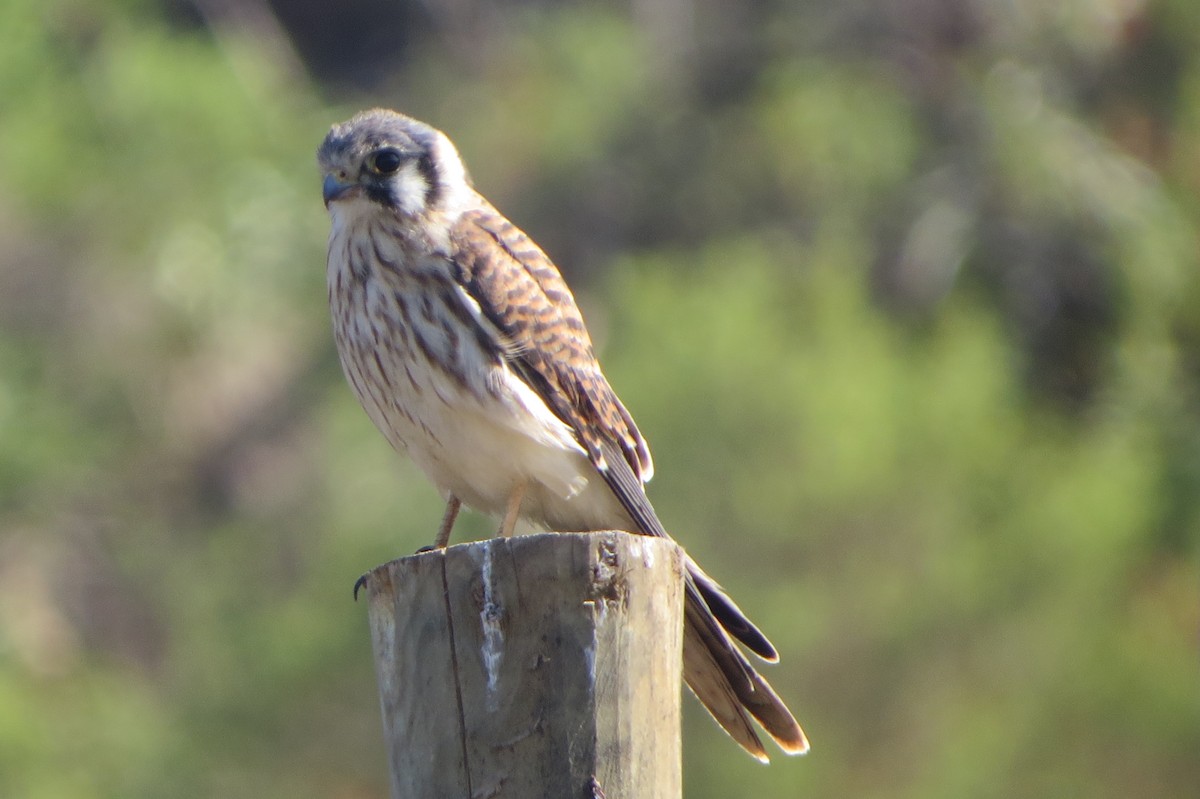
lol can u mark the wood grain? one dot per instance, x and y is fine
(539, 666)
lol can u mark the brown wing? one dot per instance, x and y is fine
(524, 297)
(521, 292)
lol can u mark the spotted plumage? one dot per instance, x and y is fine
(467, 350)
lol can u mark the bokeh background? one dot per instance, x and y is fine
(904, 295)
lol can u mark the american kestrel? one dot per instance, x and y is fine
(467, 350)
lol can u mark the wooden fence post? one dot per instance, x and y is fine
(537, 667)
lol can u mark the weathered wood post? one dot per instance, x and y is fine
(536, 667)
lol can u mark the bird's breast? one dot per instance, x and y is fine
(434, 380)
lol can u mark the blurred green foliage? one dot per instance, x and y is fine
(908, 310)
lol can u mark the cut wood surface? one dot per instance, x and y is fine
(538, 666)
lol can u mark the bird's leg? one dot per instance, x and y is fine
(443, 533)
(513, 509)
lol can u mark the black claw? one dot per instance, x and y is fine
(359, 583)
(429, 548)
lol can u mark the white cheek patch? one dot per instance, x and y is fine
(457, 195)
(409, 188)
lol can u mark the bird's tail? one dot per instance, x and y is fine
(722, 678)
(714, 668)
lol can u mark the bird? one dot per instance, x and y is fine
(467, 350)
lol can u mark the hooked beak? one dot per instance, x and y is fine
(333, 188)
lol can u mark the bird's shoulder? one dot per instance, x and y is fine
(500, 258)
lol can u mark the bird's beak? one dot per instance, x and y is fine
(333, 188)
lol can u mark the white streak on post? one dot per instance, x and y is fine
(589, 657)
(647, 555)
(493, 635)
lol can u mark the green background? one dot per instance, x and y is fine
(904, 296)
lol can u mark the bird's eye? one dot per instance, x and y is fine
(385, 162)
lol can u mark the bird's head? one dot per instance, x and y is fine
(393, 162)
